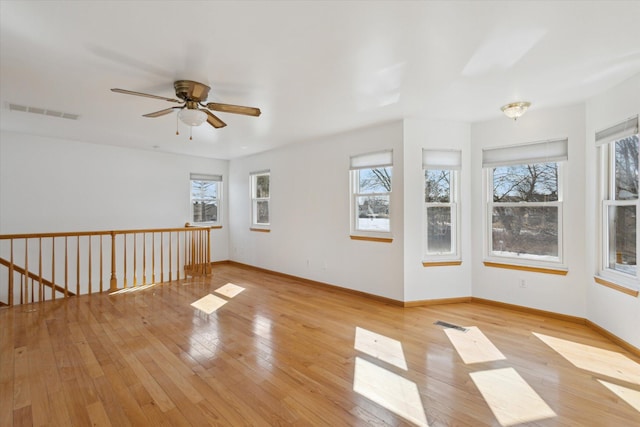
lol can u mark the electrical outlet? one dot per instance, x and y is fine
(522, 283)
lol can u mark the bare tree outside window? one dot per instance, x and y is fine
(372, 198)
(204, 198)
(437, 196)
(525, 214)
(260, 198)
(621, 211)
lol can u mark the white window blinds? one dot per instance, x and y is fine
(537, 152)
(205, 177)
(441, 159)
(621, 130)
(378, 159)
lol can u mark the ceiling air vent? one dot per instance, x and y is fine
(43, 111)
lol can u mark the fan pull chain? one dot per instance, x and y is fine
(177, 133)
(190, 133)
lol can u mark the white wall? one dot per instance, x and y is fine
(560, 294)
(617, 312)
(433, 282)
(309, 213)
(53, 185)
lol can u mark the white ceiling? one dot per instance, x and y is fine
(313, 67)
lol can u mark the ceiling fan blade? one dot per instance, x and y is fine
(236, 109)
(213, 120)
(130, 92)
(162, 112)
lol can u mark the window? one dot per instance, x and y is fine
(524, 202)
(260, 196)
(619, 198)
(371, 194)
(206, 192)
(441, 211)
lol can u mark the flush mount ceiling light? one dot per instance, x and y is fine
(515, 109)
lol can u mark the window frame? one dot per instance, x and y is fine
(368, 161)
(606, 198)
(218, 180)
(254, 200)
(523, 155)
(442, 160)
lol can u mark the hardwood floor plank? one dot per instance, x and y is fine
(282, 352)
(21, 387)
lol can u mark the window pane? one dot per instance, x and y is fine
(261, 212)
(262, 186)
(204, 211)
(439, 229)
(622, 239)
(376, 180)
(437, 186)
(525, 231)
(373, 213)
(204, 190)
(526, 183)
(626, 165)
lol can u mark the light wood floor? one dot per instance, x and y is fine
(285, 353)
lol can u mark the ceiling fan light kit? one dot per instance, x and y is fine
(192, 117)
(193, 111)
(515, 109)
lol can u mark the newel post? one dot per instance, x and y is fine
(113, 283)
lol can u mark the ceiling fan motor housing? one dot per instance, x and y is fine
(189, 90)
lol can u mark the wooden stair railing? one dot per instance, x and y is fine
(76, 263)
(34, 277)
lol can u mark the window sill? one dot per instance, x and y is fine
(545, 270)
(440, 263)
(261, 230)
(372, 239)
(612, 285)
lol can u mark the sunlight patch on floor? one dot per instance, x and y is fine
(209, 303)
(229, 290)
(510, 397)
(594, 359)
(473, 346)
(389, 390)
(133, 289)
(632, 397)
(381, 347)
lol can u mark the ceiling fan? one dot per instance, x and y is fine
(193, 96)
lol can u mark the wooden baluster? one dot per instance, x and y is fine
(153, 257)
(208, 251)
(203, 251)
(161, 257)
(66, 268)
(90, 281)
(22, 289)
(40, 284)
(135, 267)
(11, 274)
(77, 265)
(26, 272)
(144, 258)
(170, 259)
(178, 254)
(101, 263)
(198, 255)
(113, 282)
(192, 236)
(125, 259)
(53, 268)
